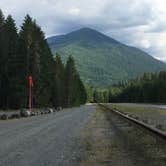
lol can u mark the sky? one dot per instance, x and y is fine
(139, 23)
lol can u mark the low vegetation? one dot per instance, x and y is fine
(153, 116)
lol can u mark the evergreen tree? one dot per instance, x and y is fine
(2, 57)
(58, 86)
(74, 90)
(95, 96)
(37, 61)
(25, 42)
(28, 53)
(80, 95)
(89, 91)
(10, 63)
(69, 74)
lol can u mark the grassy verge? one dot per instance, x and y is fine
(137, 109)
(155, 117)
(96, 141)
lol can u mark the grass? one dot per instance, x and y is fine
(140, 146)
(155, 117)
(137, 109)
(96, 143)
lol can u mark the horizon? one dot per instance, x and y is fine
(138, 24)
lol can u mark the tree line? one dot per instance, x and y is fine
(149, 88)
(26, 52)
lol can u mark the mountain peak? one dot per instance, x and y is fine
(86, 29)
(102, 60)
(84, 34)
(89, 34)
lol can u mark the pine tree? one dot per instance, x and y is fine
(69, 74)
(25, 41)
(44, 60)
(74, 90)
(2, 37)
(81, 95)
(58, 86)
(28, 53)
(2, 18)
(95, 96)
(37, 61)
(10, 63)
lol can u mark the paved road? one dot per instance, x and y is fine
(46, 140)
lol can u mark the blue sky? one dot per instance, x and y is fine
(139, 23)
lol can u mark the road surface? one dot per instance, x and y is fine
(45, 140)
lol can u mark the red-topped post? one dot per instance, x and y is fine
(30, 92)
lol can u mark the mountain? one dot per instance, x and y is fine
(102, 60)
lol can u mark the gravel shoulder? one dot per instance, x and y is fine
(47, 140)
(111, 140)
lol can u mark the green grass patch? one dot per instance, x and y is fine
(154, 116)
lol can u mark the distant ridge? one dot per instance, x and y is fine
(100, 59)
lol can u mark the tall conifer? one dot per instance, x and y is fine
(2, 37)
(58, 86)
(10, 68)
(74, 90)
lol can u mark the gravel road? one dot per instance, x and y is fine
(45, 140)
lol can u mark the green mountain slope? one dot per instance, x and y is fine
(102, 60)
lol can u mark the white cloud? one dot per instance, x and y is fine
(74, 11)
(145, 43)
(139, 23)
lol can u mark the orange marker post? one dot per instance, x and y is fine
(30, 92)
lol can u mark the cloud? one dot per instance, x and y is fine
(74, 11)
(138, 23)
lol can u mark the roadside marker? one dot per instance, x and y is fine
(30, 92)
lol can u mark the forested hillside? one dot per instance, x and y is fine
(26, 53)
(101, 60)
